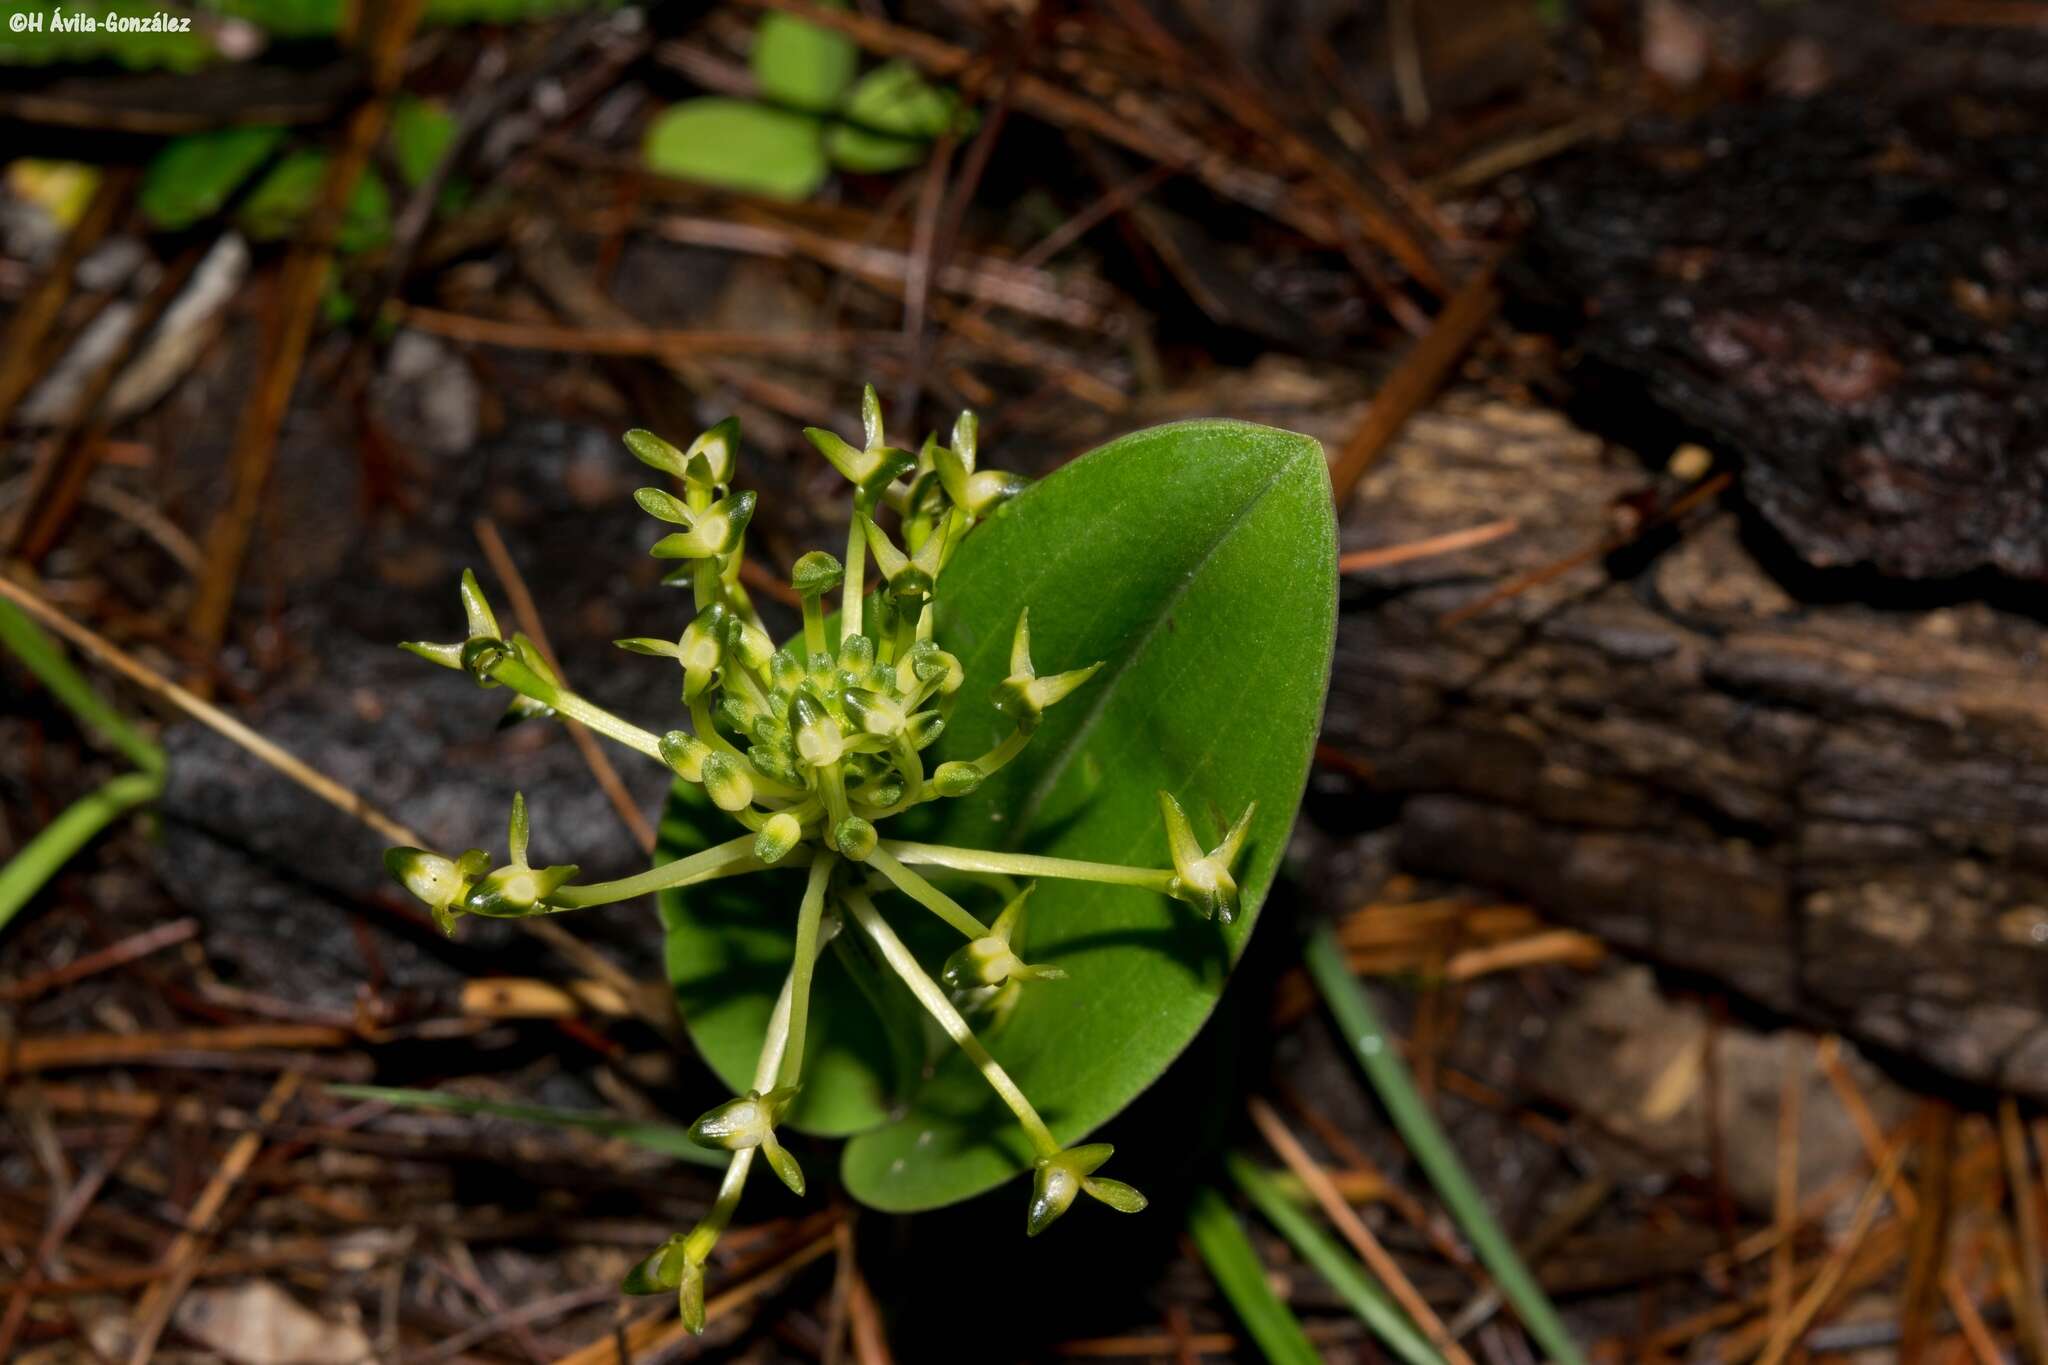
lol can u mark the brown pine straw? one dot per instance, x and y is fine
(1788, 1332)
(1785, 1203)
(188, 1249)
(1386, 556)
(2028, 1312)
(1347, 1221)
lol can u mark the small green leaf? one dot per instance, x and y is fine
(865, 153)
(735, 145)
(193, 177)
(801, 64)
(889, 119)
(896, 98)
(281, 201)
(669, 1139)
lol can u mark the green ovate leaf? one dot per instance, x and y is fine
(283, 199)
(1197, 562)
(193, 177)
(735, 145)
(801, 64)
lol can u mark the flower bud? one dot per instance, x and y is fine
(815, 573)
(749, 1121)
(923, 729)
(874, 713)
(685, 754)
(819, 740)
(701, 650)
(727, 782)
(659, 1273)
(957, 778)
(741, 1122)
(855, 838)
(1056, 1179)
(1204, 880)
(779, 834)
(746, 641)
(785, 670)
(439, 883)
(856, 655)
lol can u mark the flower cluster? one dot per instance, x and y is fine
(811, 746)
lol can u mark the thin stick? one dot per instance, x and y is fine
(1317, 1181)
(1785, 1202)
(1788, 1333)
(594, 757)
(91, 964)
(1701, 492)
(1421, 372)
(207, 714)
(188, 1248)
(1386, 556)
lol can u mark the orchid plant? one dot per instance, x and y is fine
(811, 748)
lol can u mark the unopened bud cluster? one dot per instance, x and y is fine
(812, 745)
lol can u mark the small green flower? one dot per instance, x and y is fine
(1056, 1179)
(712, 532)
(440, 883)
(749, 1121)
(517, 889)
(993, 961)
(1024, 696)
(1204, 880)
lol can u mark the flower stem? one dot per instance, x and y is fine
(934, 1000)
(927, 895)
(527, 683)
(809, 916)
(856, 575)
(1023, 864)
(729, 859)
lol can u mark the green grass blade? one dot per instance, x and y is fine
(40, 655)
(669, 1139)
(1360, 1024)
(1333, 1263)
(78, 824)
(1228, 1252)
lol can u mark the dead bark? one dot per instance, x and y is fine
(1827, 791)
